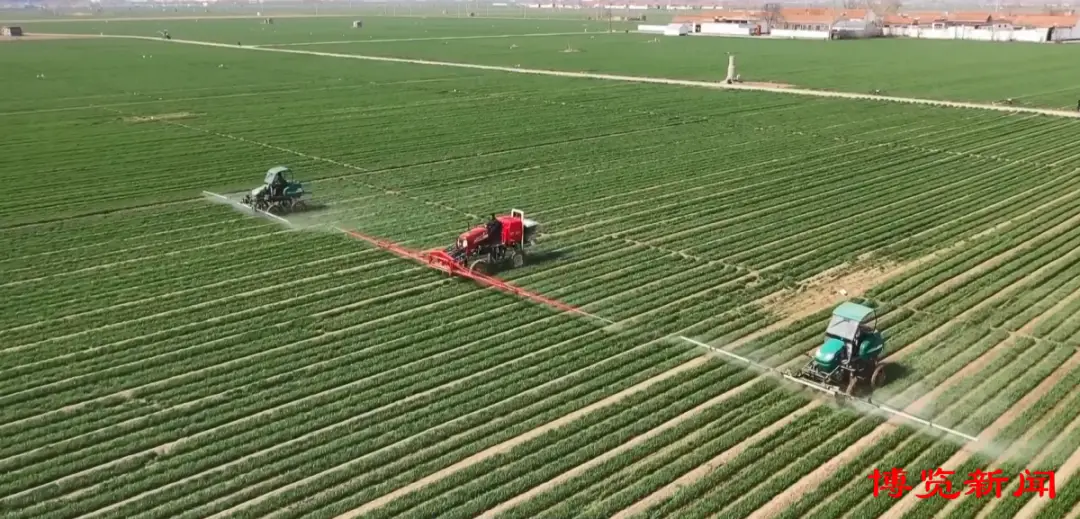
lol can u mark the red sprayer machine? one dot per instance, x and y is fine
(484, 248)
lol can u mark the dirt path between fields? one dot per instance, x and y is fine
(354, 15)
(433, 38)
(184, 17)
(904, 505)
(635, 79)
(45, 37)
(508, 445)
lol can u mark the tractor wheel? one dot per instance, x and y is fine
(479, 266)
(878, 378)
(517, 259)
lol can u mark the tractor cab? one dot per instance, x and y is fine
(278, 193)
(503, 238)
(278, 185)
(851, 325)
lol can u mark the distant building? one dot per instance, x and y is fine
(839, 24)
(984, 27)
(825, 24)
(11, 31)
(856, 29)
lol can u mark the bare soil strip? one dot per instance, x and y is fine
(514, 442)
(823, 291)
(44, 37)
(831, 287)
(1075, 513)
(639, 79)
(264, 14)
(160, 117)
(209, 16)
(725, 457)
(904, 505)
(435, 38)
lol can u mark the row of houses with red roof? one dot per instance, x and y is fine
(827, 23)
(984, 26)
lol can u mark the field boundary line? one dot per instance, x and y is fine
(432, 38)
(633, 79)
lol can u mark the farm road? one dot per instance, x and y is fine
(635, 79)
(434, 38)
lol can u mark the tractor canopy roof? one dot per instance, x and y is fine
(847, 318)
(274, 172)
(854, 312)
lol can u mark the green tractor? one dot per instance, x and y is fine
(852, 331)
(278, 194)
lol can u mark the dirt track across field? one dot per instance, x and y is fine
(42, 37)
(185, 17)
(639, 79)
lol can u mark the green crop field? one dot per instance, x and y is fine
(1031, 75)
(167, 356)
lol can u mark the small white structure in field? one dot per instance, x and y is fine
(357, 24)
(671, 29)
(730, 69)
(677, 29)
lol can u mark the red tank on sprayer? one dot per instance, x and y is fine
(484, 248)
